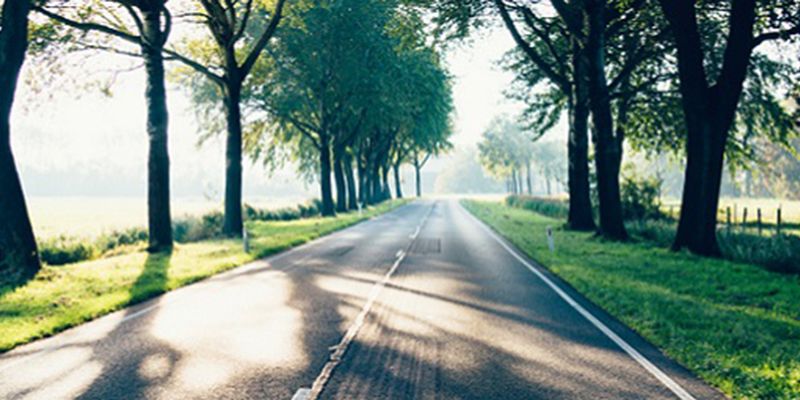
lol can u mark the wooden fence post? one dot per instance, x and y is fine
(759, 222)
(744, 218)
(728, 216)
(778, 226)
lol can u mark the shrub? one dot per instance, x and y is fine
(193, 229)
(64, 250)
(309, 209)
(115, 239)
(641, 196)
(553, 208)
(660, 232)
(778, 253)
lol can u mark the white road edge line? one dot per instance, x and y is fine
(340, 349)
(677, 389)
(264, 263)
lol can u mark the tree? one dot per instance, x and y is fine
(239, 34)
(505, 151)
(549, 159)
(320, 82)
(351, 109)
(709, 101)
(559, 58)
(19, 256)
(151, 22)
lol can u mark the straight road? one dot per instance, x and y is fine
(423, 302)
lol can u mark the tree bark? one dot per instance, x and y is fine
(580, 204)
(232, 221)
(159, 218)
(325, 176)
(339, 179)
(398, 187)
(608, 147)
(352, 197)
(19, 256)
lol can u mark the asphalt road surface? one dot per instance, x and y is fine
(423, 302)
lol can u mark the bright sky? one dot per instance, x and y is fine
(93, 144)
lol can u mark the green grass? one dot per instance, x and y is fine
(65, 296)
(736, 325)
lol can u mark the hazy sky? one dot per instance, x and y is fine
(93, 143)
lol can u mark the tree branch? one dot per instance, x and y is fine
(173, 55)
(784, 34)
(561, 81)
(263, 40)
(88, 26)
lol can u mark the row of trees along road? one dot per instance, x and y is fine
(508, 153)
(350, 84)
(702, 79)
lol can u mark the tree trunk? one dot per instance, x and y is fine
(548, 186)
(232, 221)
(528, 178)
(398, 186)
(697, 227)
(363, 181)
(325, 176)
(417, 177)
(608, 147)
(159, 219)
(375, 185)
(709, 112)
(580, 203)
(386, 193)
(338, 175)
(19, 256)
(352, 197)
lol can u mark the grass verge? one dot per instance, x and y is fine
(736, 325)
(64, 296)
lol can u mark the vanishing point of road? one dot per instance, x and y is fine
(422, 302)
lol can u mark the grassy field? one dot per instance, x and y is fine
(65, 296)
(90, 216)
(790, 209)
(736, 325)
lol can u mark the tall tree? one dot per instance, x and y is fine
(320, 80)
(505, 151)
(607, 144)
(559, 58)
(709, 102)
(151, 22)
(19, 257)
(240, 31)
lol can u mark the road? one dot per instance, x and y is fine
(422, 302)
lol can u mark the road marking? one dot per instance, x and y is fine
(340, 349)
(301, 394)
(677, 389)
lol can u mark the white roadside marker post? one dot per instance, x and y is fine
(550, 243)
(245, 241)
